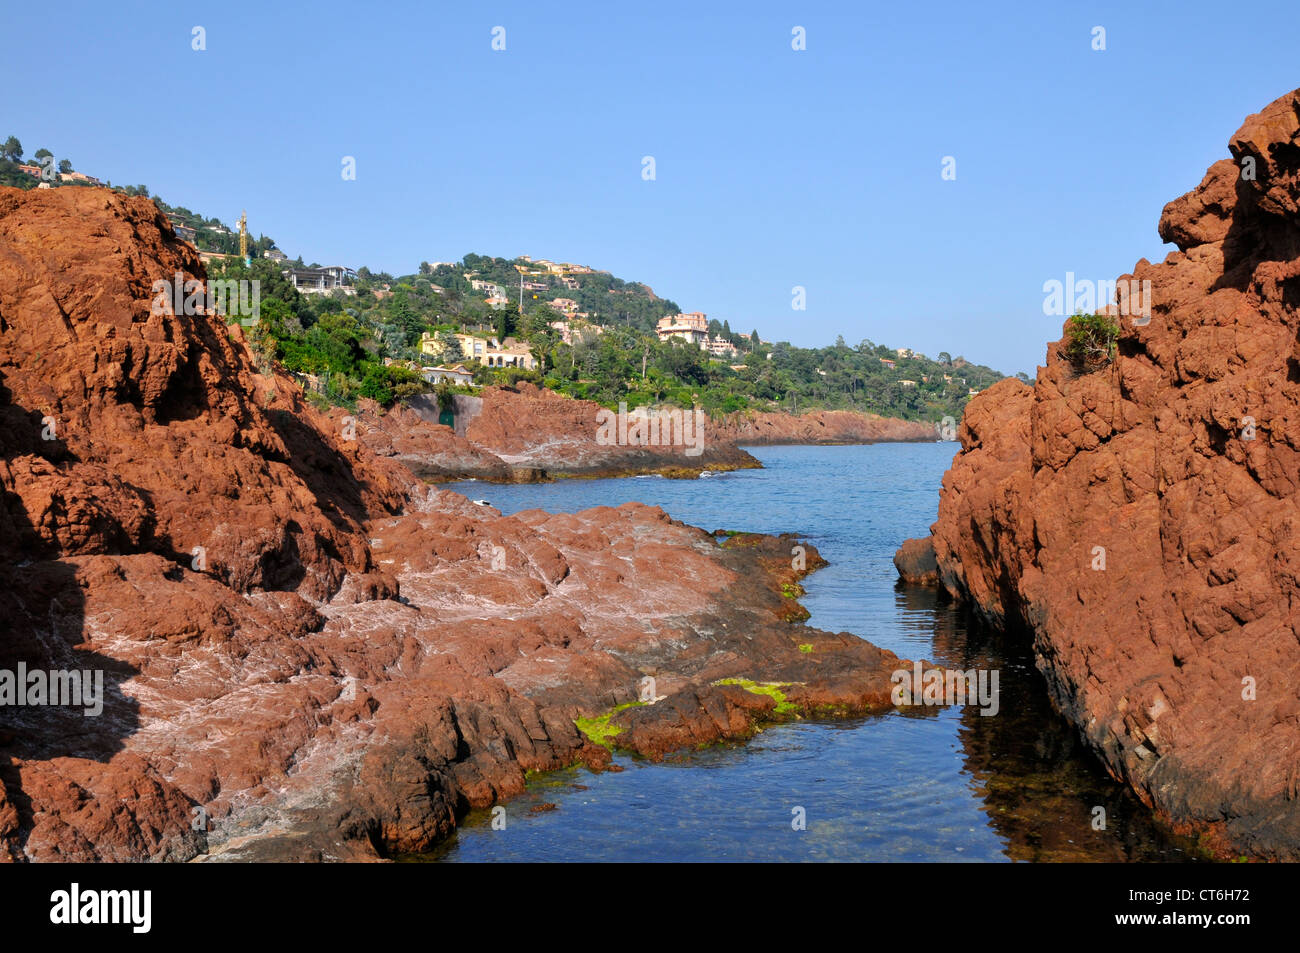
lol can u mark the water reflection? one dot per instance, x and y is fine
(1040, 786)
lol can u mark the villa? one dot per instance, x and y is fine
(322, 280)
(692, 327)
(509, 353)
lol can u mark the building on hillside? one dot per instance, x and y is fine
(571, 332)
(718, 347)
(535, 286)
(570, 283)
(455, 374)
(903, 351)
(311, 281)
(691, 327)
(32, 170)
(906, 383)
(563, 329)
(558, 267)
(79, 177)
(565, 305)
(510, 353)
(971, 392)
(429, 344)
(207, 257)
(888, 363)
(473, 348)
(275, 255)
(482, 284)
(182, 231)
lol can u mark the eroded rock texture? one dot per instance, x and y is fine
(1175, 467)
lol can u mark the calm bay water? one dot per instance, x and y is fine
(938, 785)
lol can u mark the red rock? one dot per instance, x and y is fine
(916, 563)
(1178, 463)
(526, 433)
(358, 658)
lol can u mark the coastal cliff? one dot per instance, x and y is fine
(306, 653)
(1140, 523)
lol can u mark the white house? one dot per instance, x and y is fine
(456, 374)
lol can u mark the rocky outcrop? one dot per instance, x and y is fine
(526, 433)
(528, 426)
(916, 562)
(430, 450)
(1140, 521)
(820, 427)
(302, 651)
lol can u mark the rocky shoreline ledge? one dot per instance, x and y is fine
(1138, 522)
(307, 653)
(526, 434)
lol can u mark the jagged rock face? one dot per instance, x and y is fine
(1142, 521)
(126, 430)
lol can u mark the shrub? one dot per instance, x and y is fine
(1090, 339)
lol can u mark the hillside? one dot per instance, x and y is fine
(574, 329)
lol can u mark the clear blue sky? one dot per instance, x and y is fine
(775, 168)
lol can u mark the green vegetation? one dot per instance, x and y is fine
(339, 345)
(350, 343)
(599, 730)
(806, 648)
(771, 689)
(1090, 339)
(621, 363)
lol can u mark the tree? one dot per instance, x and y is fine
(12, 150)
(41, 154)
(65, 166)
(945, 358)
(505, 325)
(451, 349)
(376, 384)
